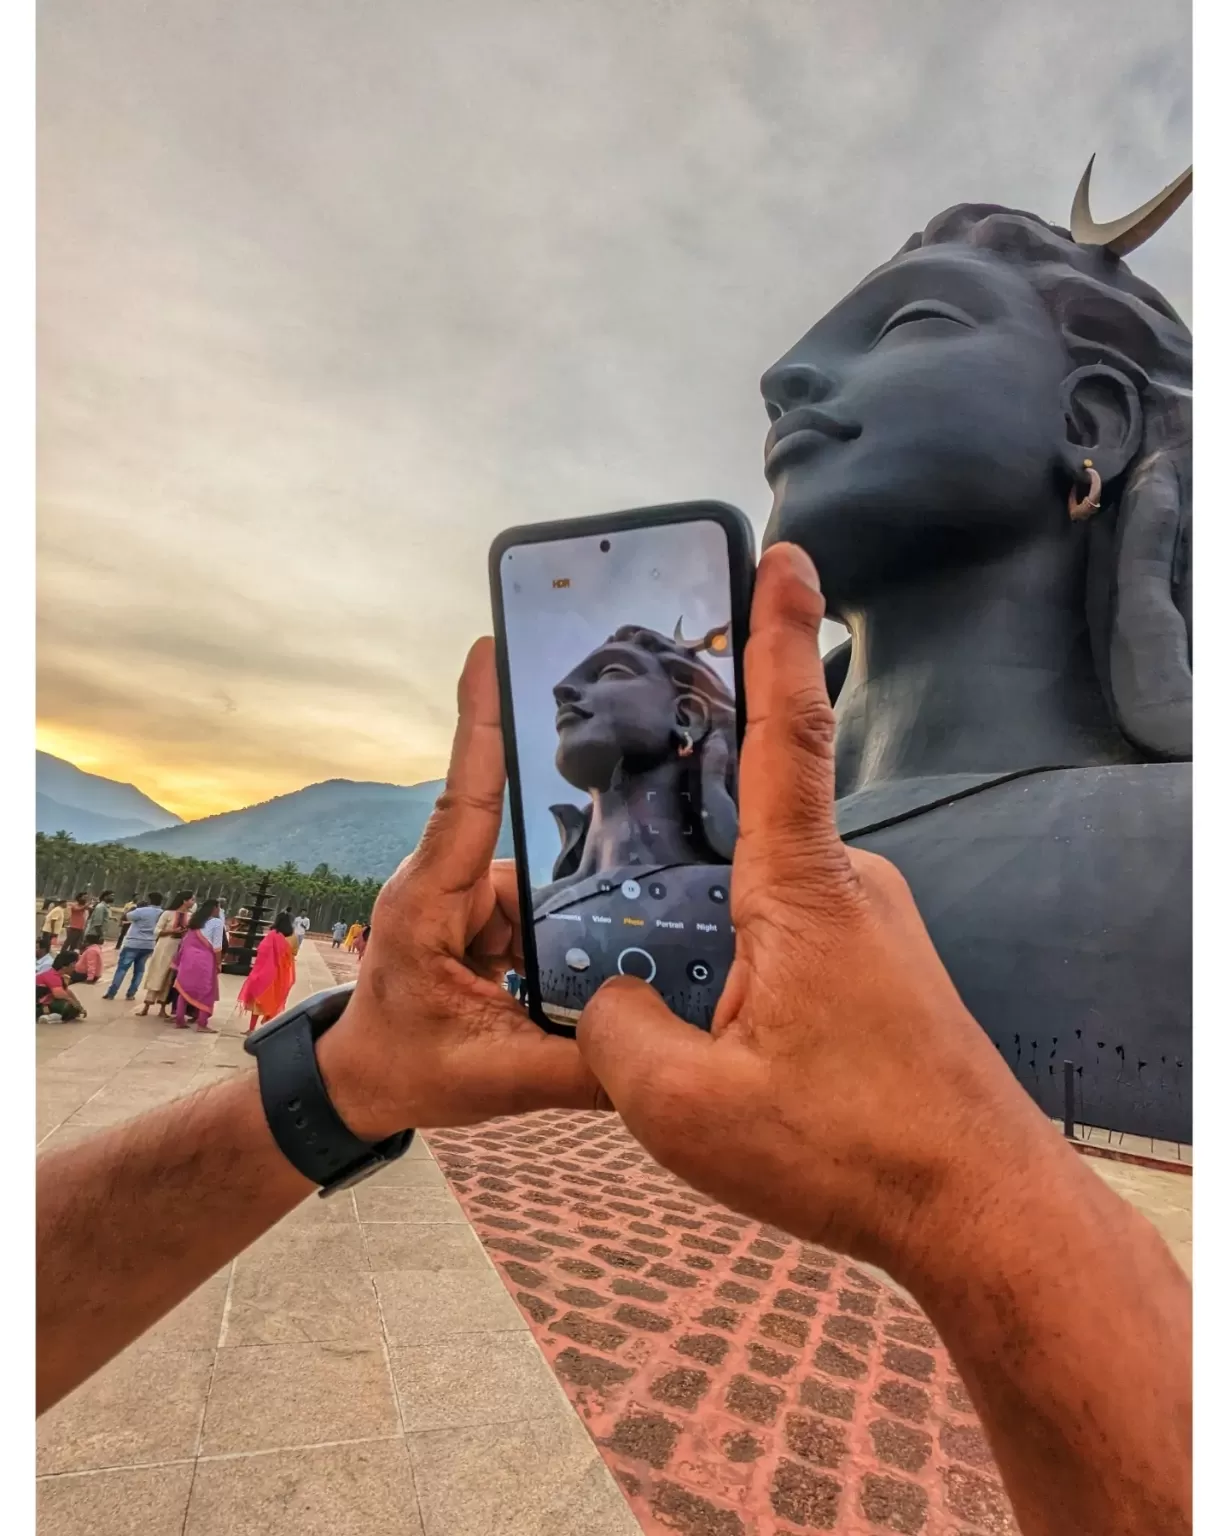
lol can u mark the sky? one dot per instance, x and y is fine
(330, 294)
(652, 577)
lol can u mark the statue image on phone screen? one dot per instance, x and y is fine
(646, 730)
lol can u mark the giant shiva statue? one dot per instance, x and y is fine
(986, 450)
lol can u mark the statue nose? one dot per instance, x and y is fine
(788, 385)
(566, 693)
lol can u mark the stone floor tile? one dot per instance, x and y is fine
(543, 1478)
(420, 1151)
(273, 1304)
(195, 1323)
(478, 1378)
(301, 1245)
(415, 1172)
(407, 1203)
(65, 1136)
(337, 1210)
(137, 1501)
(144, 1407)
(420, 1304)
(282, 1395)
(338, 1490)
(403, 1245)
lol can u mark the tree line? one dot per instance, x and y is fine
(64, 866)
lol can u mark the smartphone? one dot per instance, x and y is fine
(620, 641)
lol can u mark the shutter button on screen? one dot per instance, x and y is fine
(638, 963)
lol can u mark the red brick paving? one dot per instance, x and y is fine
(738, 1382)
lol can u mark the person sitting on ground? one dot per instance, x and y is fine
(78, 916)
(88, 967)
(43, 958)
(52, 993)
(845, 1094)
(138, 945)
(266, 989)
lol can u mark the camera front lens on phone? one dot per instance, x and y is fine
(604, 546)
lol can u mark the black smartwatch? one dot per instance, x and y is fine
(308, 1130)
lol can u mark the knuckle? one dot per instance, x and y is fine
(457, 802)
(810, 722)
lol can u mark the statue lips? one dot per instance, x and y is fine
(800, 432)
(571, 714)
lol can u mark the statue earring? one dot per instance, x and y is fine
(1091, 501)
(686, 745)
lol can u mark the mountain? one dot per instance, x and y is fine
(356, 829)
(52, 816)
(90, 808)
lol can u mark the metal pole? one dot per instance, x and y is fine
(1068, 1098)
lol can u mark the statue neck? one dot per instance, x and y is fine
(639, 821)
(983, 669)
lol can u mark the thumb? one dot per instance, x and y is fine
(788, 839)
(645, 1057)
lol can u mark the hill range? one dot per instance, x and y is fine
(355, 828)
(90, 808)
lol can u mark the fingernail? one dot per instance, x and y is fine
(804, 569)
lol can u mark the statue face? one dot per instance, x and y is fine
(618, 704)
(917, 427)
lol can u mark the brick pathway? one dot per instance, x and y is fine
(738, 1382)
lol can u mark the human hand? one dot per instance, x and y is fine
(845, 1092)
(431, 1036)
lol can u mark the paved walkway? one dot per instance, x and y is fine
(366, 1370)
(360, 1371)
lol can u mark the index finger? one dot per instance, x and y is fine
(787, 777)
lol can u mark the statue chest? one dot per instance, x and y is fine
(1060, 903)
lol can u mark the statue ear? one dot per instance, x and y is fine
(692, 714)
(1104, 422)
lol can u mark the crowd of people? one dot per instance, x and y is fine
(169, 953)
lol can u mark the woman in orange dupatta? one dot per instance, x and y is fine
(268, 986)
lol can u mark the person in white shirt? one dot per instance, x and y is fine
(339, 933)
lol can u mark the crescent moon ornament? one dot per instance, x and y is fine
(714, 641)
(1127, 234)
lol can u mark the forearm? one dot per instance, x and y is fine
(1070, 1322)
(130, 1222)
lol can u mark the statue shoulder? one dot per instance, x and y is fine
(1113, 795)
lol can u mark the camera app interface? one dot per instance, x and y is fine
(620, 655)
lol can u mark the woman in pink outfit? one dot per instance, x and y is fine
(200, 957)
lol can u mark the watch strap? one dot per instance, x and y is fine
(311, 1134)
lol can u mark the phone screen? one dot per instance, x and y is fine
(623, 680)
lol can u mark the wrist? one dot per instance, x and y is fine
(358, 1093)
(963, 1233)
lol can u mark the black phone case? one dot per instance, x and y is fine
(740, 540)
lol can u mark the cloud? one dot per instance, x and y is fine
(328, 296)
